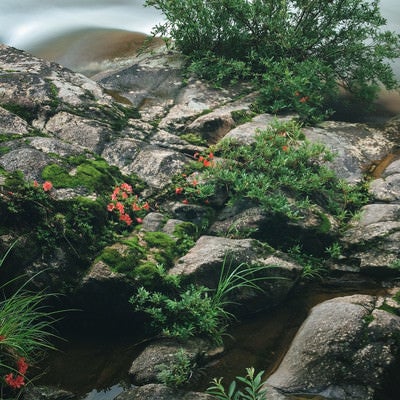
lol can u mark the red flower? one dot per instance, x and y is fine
(285, 148)
(126, 187)
(178, 190)
(22, 365)
(47, 186)
(139, 220)
(185, 201)
(16, 382)
(35, 183)
(110, 207)
(135, 207)
(120, 207)
(210, 156)
(304, 99)
(194, 182)
(207, 163)
(126, 218)
(146, 206)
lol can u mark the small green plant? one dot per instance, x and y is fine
(178, 372)
(313, 267)
(252, 387)
(196, 310)
(334, 250)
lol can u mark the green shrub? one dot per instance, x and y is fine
(252, 388)
(303, 46)
(282, 172)
(176, 373)
(196, 310)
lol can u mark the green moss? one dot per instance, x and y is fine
(27, 113)
(194, 139)
(163, 247)
(390, 309)
(124, 260)
(396, 297)
(368, 319)
(95, 175)
(242, 116)
(186, 234)
(324, 225)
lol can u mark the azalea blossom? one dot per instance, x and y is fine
(47, 186)
(139, 220)
(22, 365)
(185, 201)
(178, 190)
(126, 187)
(126, 218)
(135, 207)
(110, 207)
(16, 382)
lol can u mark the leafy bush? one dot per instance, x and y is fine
(253, 388)
(196, 310)
(282, 172)
(343, 41)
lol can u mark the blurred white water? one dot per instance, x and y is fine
(26, 23)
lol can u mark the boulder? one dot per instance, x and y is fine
(146, 367)
(343, 351)
(214, 257)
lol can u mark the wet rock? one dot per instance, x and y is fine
(47, 393)
(37, 89)
(355, 146)
(373, 239)
(70, 128)
(156, 165)
(146, 367)
(245, 133)
(160, 392)
(28, 160)
(212, 256)
(11, 124)
(342, 351)
(387, 187)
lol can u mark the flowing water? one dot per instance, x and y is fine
(81, 32)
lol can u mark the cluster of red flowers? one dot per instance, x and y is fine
(302, 99)
(16, 382)
(206, 161)
(180, 190)
(124, 202)
(46, 186)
